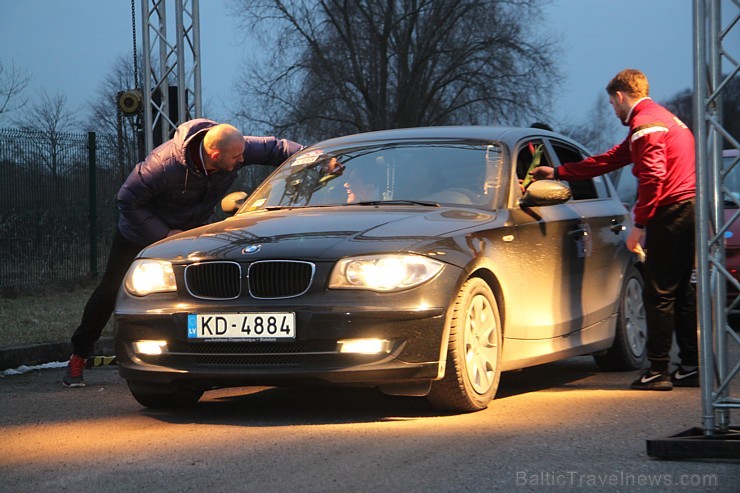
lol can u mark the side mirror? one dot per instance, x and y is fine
(231, 203)
(545, 192)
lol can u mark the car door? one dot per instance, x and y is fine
(553, 257)
(600, 236)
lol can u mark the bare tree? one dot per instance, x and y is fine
(13, 83)
(107, 119)
(103, 108)
(51, 120)
(342, 66)
(681, 104)
(600, 131)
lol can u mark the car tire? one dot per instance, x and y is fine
(473, 365)
(163, 397)
(629, 350)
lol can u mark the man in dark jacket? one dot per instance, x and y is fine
(174, 189)
(662, 149)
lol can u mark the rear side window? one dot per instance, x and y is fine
(581, 189)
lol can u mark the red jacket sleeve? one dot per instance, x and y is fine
(614, 158)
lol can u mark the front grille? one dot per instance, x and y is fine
(247, 360)
(182, 354)
(214, 280)
(293, 347)
(279, 278)
(267, 279)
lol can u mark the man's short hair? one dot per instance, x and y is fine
(541, 126)
(629, 81)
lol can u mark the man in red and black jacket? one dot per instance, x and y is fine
(662, 149)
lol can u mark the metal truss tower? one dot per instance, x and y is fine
(715, 72)
(172, 84)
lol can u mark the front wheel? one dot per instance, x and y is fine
(163, 397)
(628, 352)
(474, 353)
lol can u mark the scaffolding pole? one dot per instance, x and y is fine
(715, 70)
(172, 80)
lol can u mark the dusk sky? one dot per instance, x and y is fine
(69, 46)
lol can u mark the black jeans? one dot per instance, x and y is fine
(670, 294)
(100, 305)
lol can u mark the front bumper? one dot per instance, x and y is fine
(416, 337)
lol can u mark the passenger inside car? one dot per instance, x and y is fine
(362, 185)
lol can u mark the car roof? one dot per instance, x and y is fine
(507, 135)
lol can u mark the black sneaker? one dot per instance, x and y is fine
(653, 380)
(75, 370)
(685, 377)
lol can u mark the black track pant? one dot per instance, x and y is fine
(100, 305)
(670, 294)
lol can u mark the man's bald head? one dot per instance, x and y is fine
(223, 145)
(220, 136)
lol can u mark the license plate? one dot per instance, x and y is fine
(242, 326)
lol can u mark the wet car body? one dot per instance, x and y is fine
(511, 280)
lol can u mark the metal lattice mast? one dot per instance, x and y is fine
(714, 70)
(172, 83)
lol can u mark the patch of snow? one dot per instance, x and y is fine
(25, 368)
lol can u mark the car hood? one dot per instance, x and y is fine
(319, 233)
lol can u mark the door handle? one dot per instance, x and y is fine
(582, 239)
(618, 228)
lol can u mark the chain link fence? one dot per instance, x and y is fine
(58, 204)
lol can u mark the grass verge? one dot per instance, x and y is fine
(45, 317)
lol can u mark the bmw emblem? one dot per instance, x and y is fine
(250, 249)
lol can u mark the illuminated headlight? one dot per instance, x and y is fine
(151, 348)
(383, 272)
(364, 346)
(147, 276)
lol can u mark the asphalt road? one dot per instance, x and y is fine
(557, 427)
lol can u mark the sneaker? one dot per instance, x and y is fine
(685, 376)
(75, 369)
(653, 380)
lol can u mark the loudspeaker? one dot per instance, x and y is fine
(129, 102)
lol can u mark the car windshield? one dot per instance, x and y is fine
(428, 173)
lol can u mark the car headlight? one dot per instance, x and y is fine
(147, 276)
(391, 272)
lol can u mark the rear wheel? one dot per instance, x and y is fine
(474, 353)
(629, 349)
(163, 396)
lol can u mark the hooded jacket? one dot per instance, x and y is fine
(662, 149)
(169, 190)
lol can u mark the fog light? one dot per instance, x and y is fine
(364, 346)
(151, 348)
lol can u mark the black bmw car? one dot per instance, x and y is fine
(418, 261)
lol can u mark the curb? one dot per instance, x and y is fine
(37, 354)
